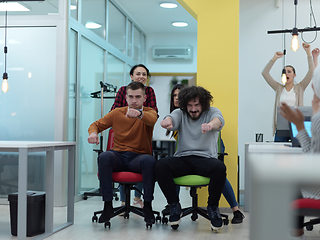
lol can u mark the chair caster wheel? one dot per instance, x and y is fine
(164, 220)
(309, 228)
(174, 227)
(126, 215)
(158, 219)
(225, 221)
(116, 198)
(85, 197)
(194, 217)
(94, 219)
(107, 224)
(148, 225)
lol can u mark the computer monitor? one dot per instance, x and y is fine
(293, 131)
(283, 125)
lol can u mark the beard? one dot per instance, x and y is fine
(194, 115)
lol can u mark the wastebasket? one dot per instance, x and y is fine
(35, 212)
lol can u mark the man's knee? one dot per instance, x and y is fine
(148, 160)
(106, 158)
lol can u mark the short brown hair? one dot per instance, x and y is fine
(136, 85)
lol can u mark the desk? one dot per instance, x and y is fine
(274, 181)
(262, 147)
(25, 147)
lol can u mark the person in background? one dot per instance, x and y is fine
(227, 192)
(291, 93)
(133, 129)
(138, 73)
(308, 145)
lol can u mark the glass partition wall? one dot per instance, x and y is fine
(50, 82)
(103, 36)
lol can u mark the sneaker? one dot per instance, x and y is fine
(148, 213)
(138, 203)
(237, 217)
(175, 214)
(215, 217)
(166, 210)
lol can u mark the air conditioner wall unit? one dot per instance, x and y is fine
(172, 52)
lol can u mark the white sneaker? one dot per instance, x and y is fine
(138, 203)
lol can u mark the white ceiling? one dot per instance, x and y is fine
(154, 19)
(147, 14)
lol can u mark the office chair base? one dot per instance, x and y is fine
(309, 224)
(126, 209)
(194, 210)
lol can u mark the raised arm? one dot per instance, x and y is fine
(266, 71)
(306, 80)
(315, 54)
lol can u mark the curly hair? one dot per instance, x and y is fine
(188, 94)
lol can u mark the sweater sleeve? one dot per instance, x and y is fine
(315, 131)
(150, 116)
(101, 124)
(304, 141)
(266, 74)
(306, 80)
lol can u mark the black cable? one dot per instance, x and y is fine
(315, 25)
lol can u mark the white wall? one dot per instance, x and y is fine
(256, 48)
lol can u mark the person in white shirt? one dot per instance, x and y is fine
(289, 92)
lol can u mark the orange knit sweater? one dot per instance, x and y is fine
(130, 134)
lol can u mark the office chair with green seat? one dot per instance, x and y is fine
(195, 182)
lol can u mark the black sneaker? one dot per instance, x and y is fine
(166, 210)
(237, 217)
(148, 214)
(175, 214)
(106, 214)
(215, 217)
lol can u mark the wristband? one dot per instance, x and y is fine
(140, 113)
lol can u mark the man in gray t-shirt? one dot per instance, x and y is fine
(198, 126)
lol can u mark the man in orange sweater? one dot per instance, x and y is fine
(133, 128)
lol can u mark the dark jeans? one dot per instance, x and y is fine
(113, 161)
(172, 167)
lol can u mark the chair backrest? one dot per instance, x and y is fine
(110, 142)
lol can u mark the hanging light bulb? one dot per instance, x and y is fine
(294, 41)
(5, 85)
(284, 76)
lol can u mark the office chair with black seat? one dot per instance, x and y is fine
(195, 182)
(128, 180)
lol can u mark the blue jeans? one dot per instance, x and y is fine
(229, 194)
(113, 161)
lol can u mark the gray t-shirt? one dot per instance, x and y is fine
(191, 140)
